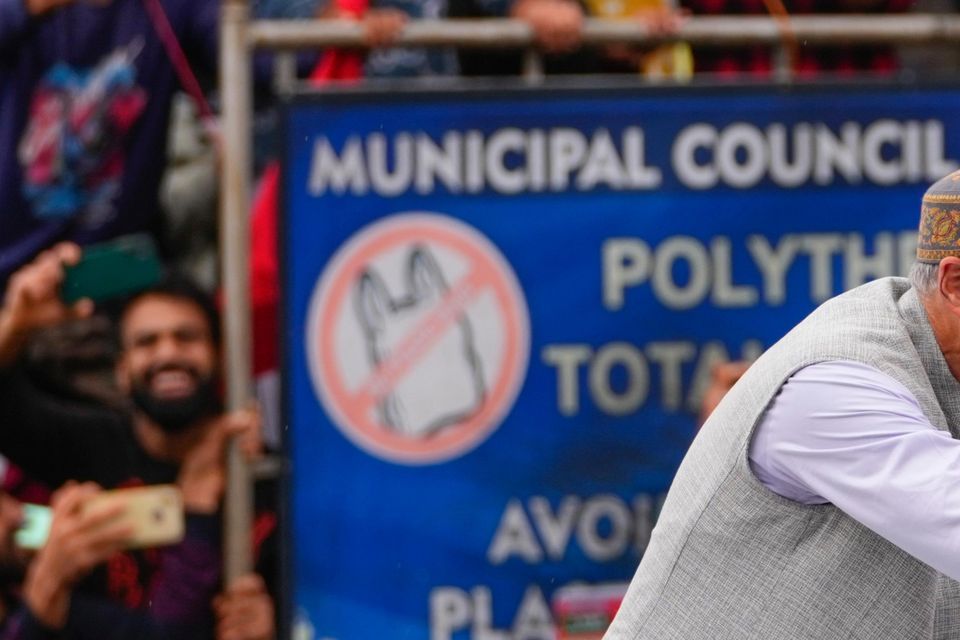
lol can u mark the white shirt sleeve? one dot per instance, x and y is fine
(845, 433)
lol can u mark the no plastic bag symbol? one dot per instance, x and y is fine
(417, 338)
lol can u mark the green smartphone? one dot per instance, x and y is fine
(113, 269)
(35, 528)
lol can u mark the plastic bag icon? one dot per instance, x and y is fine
(441, 384)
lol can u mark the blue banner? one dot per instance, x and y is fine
(502, 310)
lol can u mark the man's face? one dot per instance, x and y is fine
(168, 362)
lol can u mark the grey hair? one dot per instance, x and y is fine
(924, 278)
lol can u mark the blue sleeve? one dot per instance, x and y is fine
(13, 20)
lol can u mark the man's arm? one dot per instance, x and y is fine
(847, 434)
(245, 610)
(30, 420)
(189, 573)
(81, 539)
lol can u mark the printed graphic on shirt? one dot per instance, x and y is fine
(72, 153)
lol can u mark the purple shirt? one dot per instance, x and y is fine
(85, 93)
(844, 433)
(85, 99)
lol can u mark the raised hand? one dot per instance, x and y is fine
(382, 27)
(202, 472)
(79, 540)
(245, 610)
(32, 300)
(557, 24)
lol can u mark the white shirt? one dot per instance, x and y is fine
(845, 433)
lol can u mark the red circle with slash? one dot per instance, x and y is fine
(357, 389)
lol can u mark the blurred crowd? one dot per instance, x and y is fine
(162, 425)
(125, 390)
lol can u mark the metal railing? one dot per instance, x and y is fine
(706, 31)
(239, 36)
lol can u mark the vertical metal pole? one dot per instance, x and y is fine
(235, 165)
(782, 64)
(284, 73)
(533, 72)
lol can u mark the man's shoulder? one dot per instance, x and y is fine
(885, 292)
(861, 311)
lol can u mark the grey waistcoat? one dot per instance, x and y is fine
(730, 559)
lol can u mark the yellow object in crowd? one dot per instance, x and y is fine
(673, 61)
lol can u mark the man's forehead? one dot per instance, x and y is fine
(159, 313)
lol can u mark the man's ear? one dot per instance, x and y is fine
(948, 276)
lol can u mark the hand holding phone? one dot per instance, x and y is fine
(153, 515)
(33, 299)
(87, 527)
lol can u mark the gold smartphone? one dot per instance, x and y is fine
(154, 513)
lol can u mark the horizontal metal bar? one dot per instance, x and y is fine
(269, 467)
(495, 33)
(499, 33)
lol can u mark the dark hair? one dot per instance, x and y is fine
(179, 287)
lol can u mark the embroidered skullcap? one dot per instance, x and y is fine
(940, 221)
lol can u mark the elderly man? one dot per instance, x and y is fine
(821, 499)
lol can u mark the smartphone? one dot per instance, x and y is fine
(154, 514)
(35, 527)
(113, 269)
